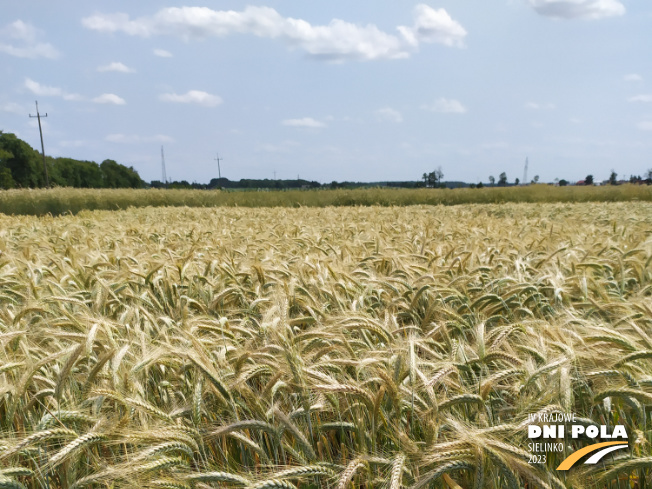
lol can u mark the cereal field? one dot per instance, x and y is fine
(375, 347)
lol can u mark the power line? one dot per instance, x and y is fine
(40, 130)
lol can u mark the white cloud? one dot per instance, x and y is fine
(645, 125)
(578, 9)
(337, 41)
(21, 31)
(432, 25)
(283, 147)
(162, 53)
(109, 98)
(538, 106)
(13, 108)
(33, 123)
(193, 97)
(76, 143)
(495, 145)
(641, 98)
(389, 114)
(303, 122)
(116, 66)
(633, 77)
(446, 106)
(45, 91)
(28, 46)
(134, 138)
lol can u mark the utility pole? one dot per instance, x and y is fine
(219, 171)
(165, 178)
(274, 174)
(525, 172)
(40, 130)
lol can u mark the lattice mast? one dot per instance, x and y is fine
(164, 176)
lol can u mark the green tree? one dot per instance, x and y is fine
(24, 163)
(502, 179)
(434, 178)
(116, 175)
(74, 173)
(613, 178)
(6, 180)
(492, 180)
(588, 180)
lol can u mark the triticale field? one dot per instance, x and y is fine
(282, 348)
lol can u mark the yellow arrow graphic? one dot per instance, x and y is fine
(575, 456)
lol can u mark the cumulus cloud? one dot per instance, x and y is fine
(284, 147)
(389, 114)
(109, 98)
(115, 66)
(46, 91)
(73, 143)
(446, 106)
(645, 125)
(20, 39)
(303, 122)
(193, 97)
(13, 108)
(633, 77)
(162, 53)
(432, 25)
(578, 9)
(337, 41)
(641, 98)
(134, 138)
(539, 106)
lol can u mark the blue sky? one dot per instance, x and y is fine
(338, 90)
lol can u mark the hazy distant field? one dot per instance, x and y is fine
(336, 347)
(65, 200)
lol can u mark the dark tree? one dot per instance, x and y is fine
(23, 162)
(492, 180)
(563, 183)
(67, 172)
(502, 179)
(116, 175)
(6, 180)
(433, 179)
(588, 180)
(648, 177)
(613, 178)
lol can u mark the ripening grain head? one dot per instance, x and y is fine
(175, 347)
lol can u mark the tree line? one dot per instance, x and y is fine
(21, 166)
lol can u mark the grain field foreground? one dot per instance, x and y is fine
(337, 347)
